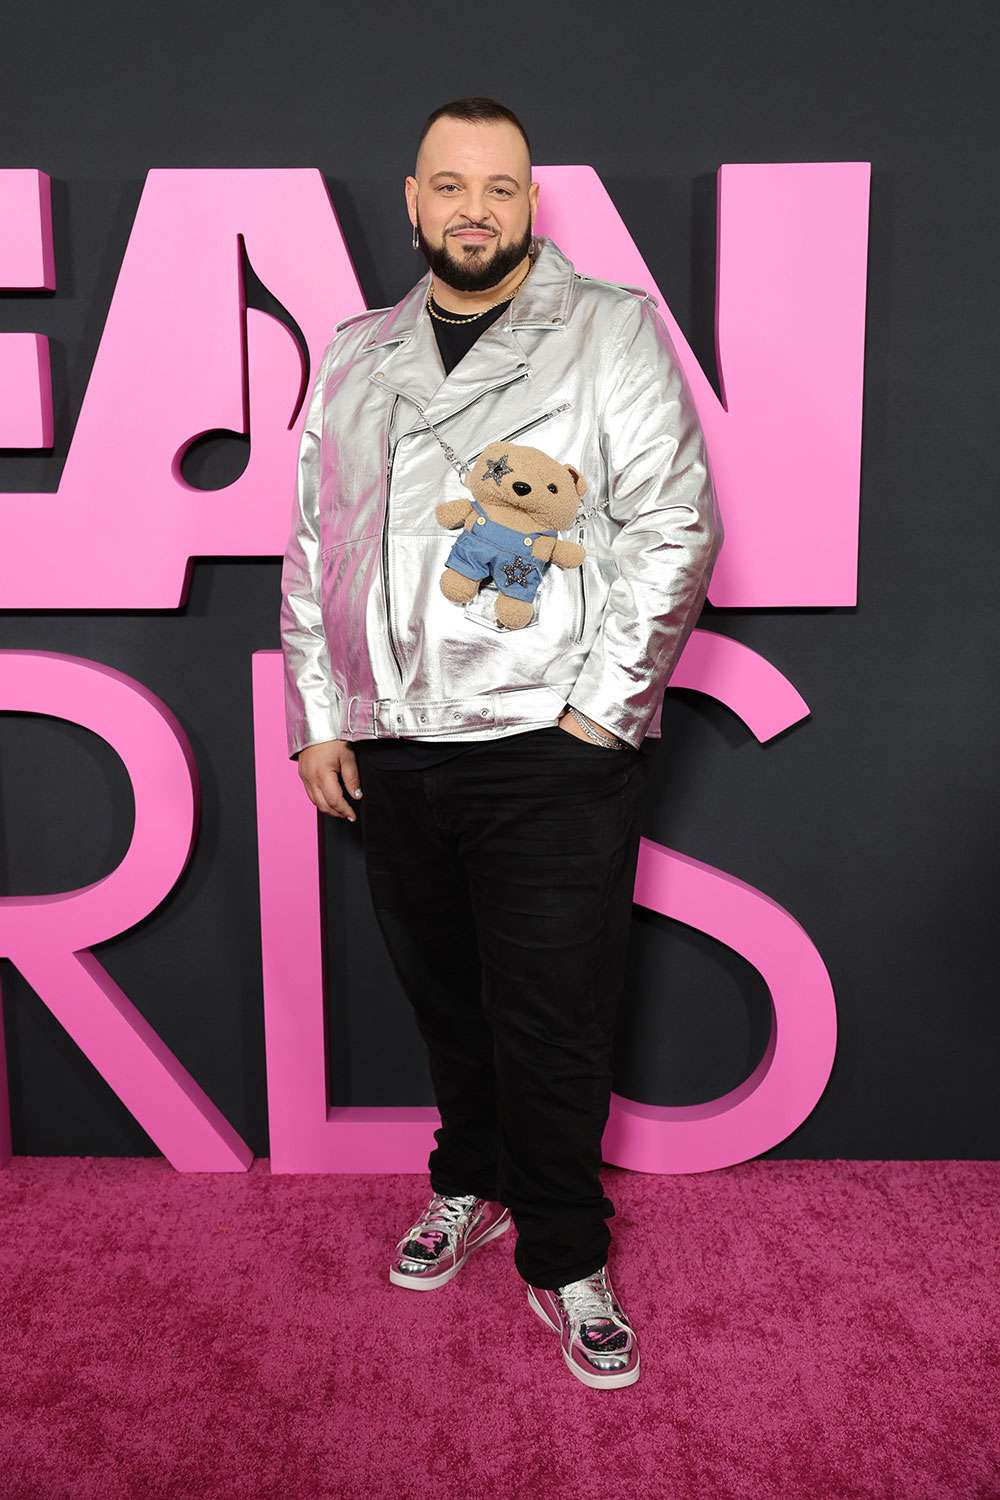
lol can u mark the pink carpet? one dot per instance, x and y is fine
(808, 1329)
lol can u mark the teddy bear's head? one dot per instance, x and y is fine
(508, 477)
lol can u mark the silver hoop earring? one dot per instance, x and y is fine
(416, 238)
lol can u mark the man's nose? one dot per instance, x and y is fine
(477, 212)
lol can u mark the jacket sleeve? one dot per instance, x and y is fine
(661, 491)
(312, 704)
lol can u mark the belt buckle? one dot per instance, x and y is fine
(376, 710)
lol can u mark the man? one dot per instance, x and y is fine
(502, 770)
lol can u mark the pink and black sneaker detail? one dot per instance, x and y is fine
(436, 1247)
(598, 1342)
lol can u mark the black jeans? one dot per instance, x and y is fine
(502, 882)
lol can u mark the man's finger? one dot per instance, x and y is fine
(349, 773)
(332, 793)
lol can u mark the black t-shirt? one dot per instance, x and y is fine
(454, 340)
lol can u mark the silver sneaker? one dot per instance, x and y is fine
(436, 1247)
(598, 1342)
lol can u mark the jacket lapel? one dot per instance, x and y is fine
(412, 367)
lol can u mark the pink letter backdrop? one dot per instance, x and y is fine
(785, 450)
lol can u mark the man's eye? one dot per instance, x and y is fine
(444, 186)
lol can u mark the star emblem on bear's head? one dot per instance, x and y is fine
(496, 468)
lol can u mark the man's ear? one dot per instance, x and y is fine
(578, 479)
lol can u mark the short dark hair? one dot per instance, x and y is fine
(478, 109)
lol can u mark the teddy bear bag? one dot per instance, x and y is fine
(521, 500)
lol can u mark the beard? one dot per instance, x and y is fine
(468, 268)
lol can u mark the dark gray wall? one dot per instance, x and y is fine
(873, 821)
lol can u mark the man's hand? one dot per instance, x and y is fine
(322, 768)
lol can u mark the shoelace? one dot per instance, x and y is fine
(445, 1213)
(588, 1298)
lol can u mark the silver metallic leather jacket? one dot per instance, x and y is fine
(585, 370)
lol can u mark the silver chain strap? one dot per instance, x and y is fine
(461, 469)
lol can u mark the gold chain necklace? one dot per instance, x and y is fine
(472, 316)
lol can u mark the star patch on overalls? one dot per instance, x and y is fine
(517, 571)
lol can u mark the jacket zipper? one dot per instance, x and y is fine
(583, 592)
(390, 452)
(523, 428)
(459, 409)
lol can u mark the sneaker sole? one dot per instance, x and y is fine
(422, 1284)
(596, 1382)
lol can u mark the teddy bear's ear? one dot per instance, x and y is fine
(578, 479)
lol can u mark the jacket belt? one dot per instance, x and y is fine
(378, 718)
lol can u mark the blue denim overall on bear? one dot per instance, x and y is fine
(488, 549)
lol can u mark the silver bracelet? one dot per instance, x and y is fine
(592, 731)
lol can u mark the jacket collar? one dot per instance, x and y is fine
(412, 366)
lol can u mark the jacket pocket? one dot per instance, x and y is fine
(447, 650)
(482, 608)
